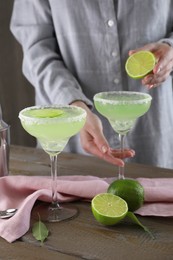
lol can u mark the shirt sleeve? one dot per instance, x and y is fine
(43, 66)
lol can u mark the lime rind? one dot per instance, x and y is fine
(139, 64)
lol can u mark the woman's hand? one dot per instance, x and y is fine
(94, 142)
(164, 56)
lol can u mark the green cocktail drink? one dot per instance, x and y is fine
(122, 108)
(53, 126)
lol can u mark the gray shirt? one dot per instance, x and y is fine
(76, 48)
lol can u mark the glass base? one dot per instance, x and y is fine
(50, 213)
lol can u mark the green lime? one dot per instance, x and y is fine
(139, 64)
(129, 190)
(44, 113)
(108, 209)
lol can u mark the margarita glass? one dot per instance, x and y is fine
(122, 108)
(53, 126)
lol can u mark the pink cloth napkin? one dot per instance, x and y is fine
(22, 191)
(158, 197)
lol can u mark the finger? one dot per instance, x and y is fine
(162, 69)
(164, 57)
(148, 47)
(113, 160)
(162, 66)
(127, 153)
(157, 69)
(159, 81)
(126, 150)
(162, 76)
(147, 79)
(95, 138)
(88, 144)
(158, 78)
(101, 142)
(93, 149)
(123, 155)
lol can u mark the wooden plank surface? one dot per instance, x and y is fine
(82, 237)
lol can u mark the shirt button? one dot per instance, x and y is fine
(110, 23)
(116, 81)
(114, 54)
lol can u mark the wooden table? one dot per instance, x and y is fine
(83, 237)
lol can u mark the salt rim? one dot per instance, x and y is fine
(31, 120)
(122, 102)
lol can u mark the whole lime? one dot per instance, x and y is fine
(129, 190)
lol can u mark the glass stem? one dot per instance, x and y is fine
(53, 160)
(121, 169)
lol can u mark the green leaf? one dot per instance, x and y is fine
(132, 216)
(40, 231)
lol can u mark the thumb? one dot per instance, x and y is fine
(147, 47)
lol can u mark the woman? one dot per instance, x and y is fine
(74, 49)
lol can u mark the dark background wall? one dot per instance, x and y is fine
(15, 91)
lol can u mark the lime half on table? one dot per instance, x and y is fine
(139, 64)
(108, 209)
